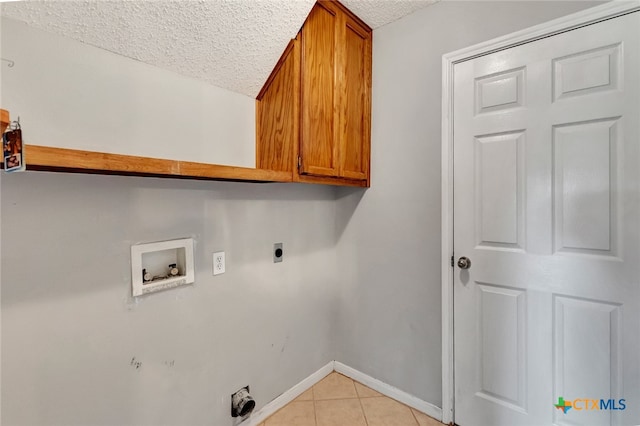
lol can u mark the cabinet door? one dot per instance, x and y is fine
(277, 114)
(355, 101)
(319, 133)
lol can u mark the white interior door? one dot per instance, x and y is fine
(546, 207)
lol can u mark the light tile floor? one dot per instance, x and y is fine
(337, 400)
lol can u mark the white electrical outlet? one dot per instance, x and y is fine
(218, 263)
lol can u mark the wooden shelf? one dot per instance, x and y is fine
(4, 120)
(76, 161)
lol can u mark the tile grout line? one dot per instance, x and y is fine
(414, 416)
(315, 411)
(355, 388)
(344, 398)
(364, 415)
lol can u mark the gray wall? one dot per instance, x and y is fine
(73, 95)
(76, 348)
(71, 331)
(389, 245)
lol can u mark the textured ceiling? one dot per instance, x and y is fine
(232, 44)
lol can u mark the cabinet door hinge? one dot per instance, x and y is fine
(299, 162)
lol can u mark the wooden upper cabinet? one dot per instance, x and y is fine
(316, 106)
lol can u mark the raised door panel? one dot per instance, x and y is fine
(586, 187)
(501, 322)
(318, 147)
(578, 324)
(355, 102)
(499, 191)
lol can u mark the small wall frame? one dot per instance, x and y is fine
(161, 265)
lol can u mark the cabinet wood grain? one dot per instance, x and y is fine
(277, 109)
(319, 148)
(356, 108)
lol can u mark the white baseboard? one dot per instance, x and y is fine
(268, 410)
(390, 391)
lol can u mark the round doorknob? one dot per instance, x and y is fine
(464, 263)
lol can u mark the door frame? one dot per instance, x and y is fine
(548, 29)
